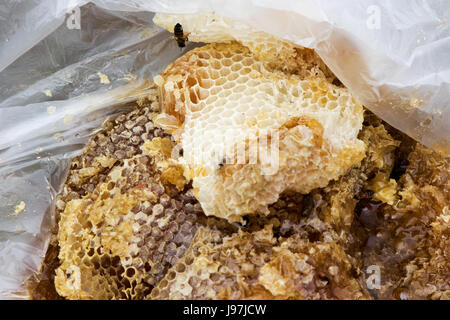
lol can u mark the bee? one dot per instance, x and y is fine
(180, 37)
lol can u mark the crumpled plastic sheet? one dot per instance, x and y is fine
(392, 55)
(51, 100)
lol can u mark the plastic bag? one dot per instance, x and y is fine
(54, 94)
(64, 68)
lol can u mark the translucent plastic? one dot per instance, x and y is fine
(53, 94)
(63, 69)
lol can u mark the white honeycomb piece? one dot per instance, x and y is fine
(224, 98)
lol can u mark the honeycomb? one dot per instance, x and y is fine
(308, 247)
(121, 223)
(259, 266)
(410, 239)
(313, 246)
(331, 229)
(249, 133)
(350, 192)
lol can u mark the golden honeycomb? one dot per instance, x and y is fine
(308, 247)
(121, 223)
(410, 239)
(226, 102)
(132, 226)
(257, 265)
(323, 238)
